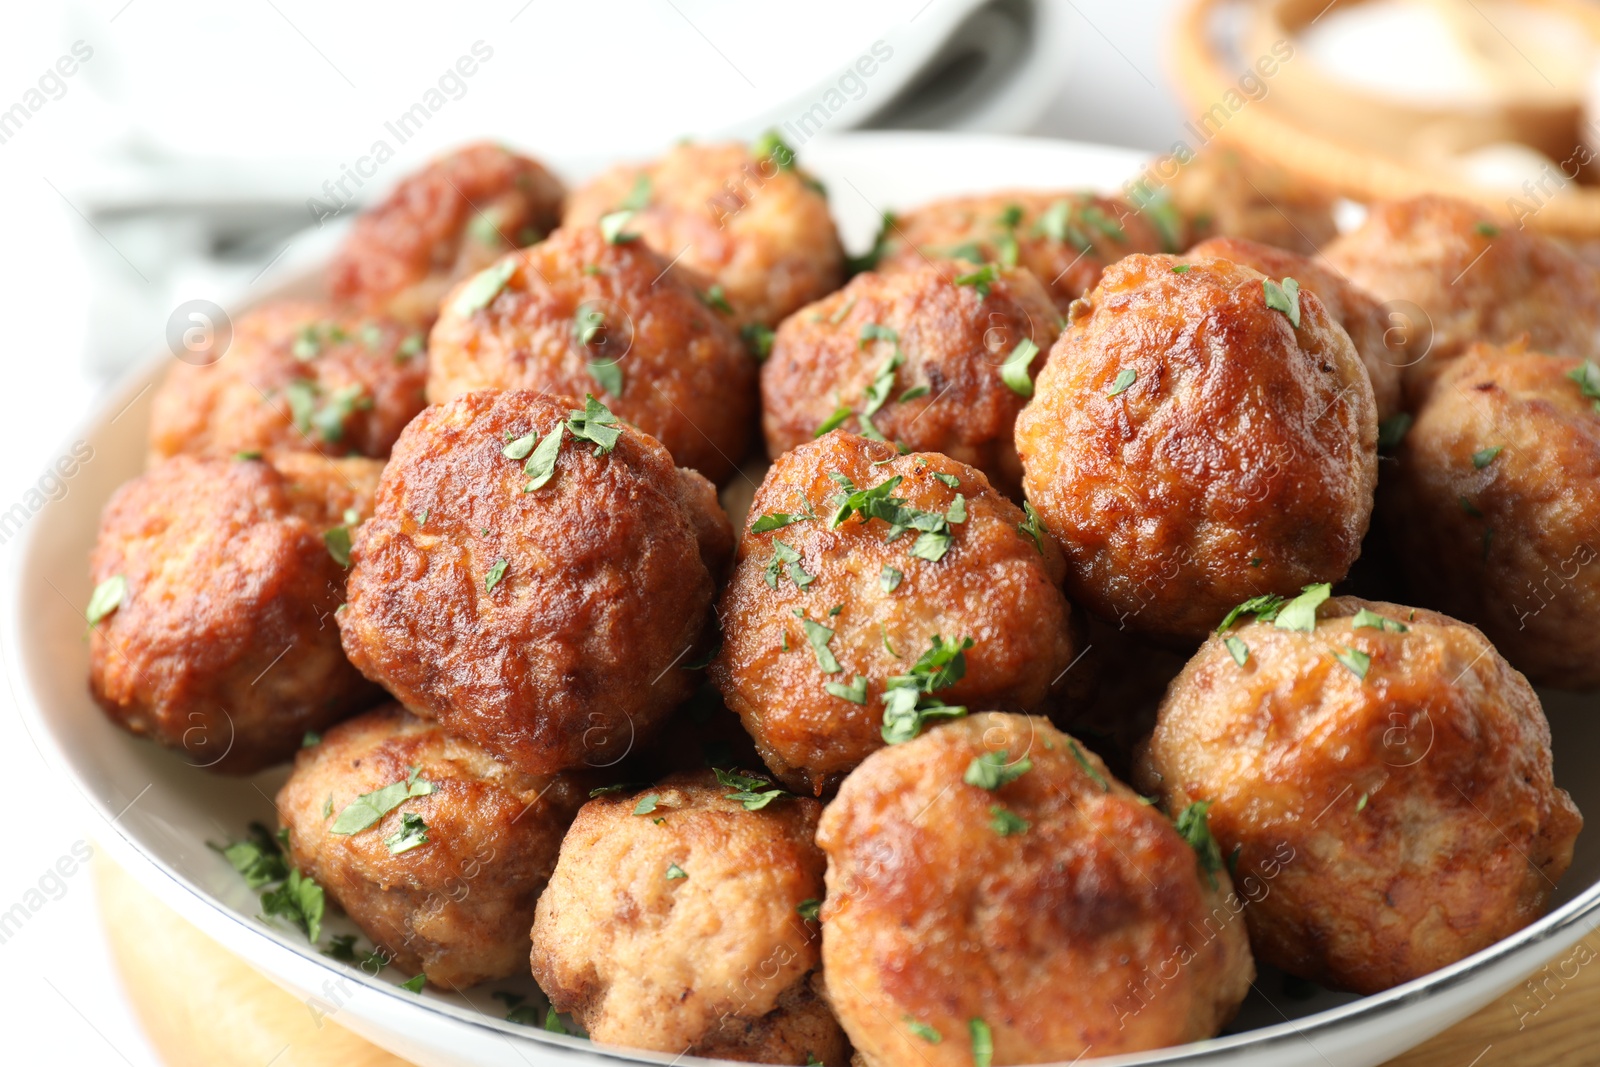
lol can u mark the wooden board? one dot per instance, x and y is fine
(204, 1007)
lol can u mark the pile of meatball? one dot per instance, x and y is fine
(1055, 675)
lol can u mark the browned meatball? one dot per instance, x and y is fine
(990, 885)
(1382, 349)
(1471, 280)
(1381, 776)
(679, 920)
(1065, 238)
(1225, 193)
(537, 608)
(216, 585)
(450, 219)
(445, 880)
(296, 375)
(916, 358)
(1495, 507)
(835, 626)
(1191, 446)
(575, 314)
(746, 221)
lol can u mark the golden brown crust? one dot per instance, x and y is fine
(994, 585)
(296, 375)
(1473, 280)
(1093, 928)
(1223, 192)
(953, 342)
(1390, 825)
(724, 217)
(686, 377)
(457, 908)
(1353, 309)
(1240, 460)
(450, 219)
(675, 928)
(1065, 238)
(224, 646)
(1507, 540)
(569, 658)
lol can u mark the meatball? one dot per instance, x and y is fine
(1065, 238)
(989, 885)
(1382, 778)
(1225, 193)
(1382, 349)
(1191, 445)
(445, 880)
(296, 375)
(1494, 507)
(917, 359)
(682, 921)
(539, 609)
(746, 221)
(576, 313)
(872, 589)
(452, 218)
(216, 582)
(1466, 279)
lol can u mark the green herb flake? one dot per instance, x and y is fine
(982, 1043)
(991, 771)
(1300, 614)
(889, 579)
(595, 423)
(809, 909)
(647, 804)
(771, 145)
(300, 900)
(638, 197)
(1469, 507)
(1365, 619)
(982, 280)
(1031, 527)
(715, 299)
(908, 700)
(1264, 608)
(923, 1030)
(1392, 431)
(1058, 225)
(1237, 649)
(855, 692)
(611, 227)
(1014, 371)
(257, 857)
(483, 287)
(1194, 827)
(342, 948)
(819, 636)
(952, 480)
(1487, 229)
(1361, 804)
(1356, 661)
(310, 739)
(1181, 268)
(1285, 297)
(1487, 456)
(414, 985)
(913, 393)
(1125, 378)
(368, 808)
(1006, 823)
(757, 340)
(541, 465)
(880, 244)
(1088, 768)
(520, 448)
(1587, 375)
(106, 598)
(777, 520)
(413, 833)
(674, 872)
(337, 539)
(600, 791)
(834, 421)
(752, 791)
(607, 374)
(496, 573)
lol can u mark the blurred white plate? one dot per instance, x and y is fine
(160, 811)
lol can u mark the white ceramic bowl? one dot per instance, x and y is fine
(160, 811)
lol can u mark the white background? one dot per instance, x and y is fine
(59, 998)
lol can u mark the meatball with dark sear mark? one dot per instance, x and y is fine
(450, 219)
(917, 359)
(1494, 507)
(995, 897)
(1470, 280)
(1191, 445)
(532, 577)
(296, 375)
(1382, 778)
(682, 918)
(1065, 238)
(216, 584)
(743, 225)
(874, 592)
(445, 878)
(577, 313)
(1382, 350)
(1223, 192)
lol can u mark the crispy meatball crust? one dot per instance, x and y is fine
(543, 625)
(296, 375)
(450, 219)
(675, 928)
(1065, 238)
(995, 585)
(224, 646)
(1355, 310)
(686, 377)
(1225, 193)
(457, 908)
(761, 232)
(1390, 825)
(1059, 936)
(1240, 460)
(953, 342)
(1473, 280)
(1507, 540)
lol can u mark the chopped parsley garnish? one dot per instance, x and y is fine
(552, 1022)
(496, 573)
(855, 692)
(611, 227)
(1057, 224)
(1487, 229)
(106, 598)
(638, 197)
(541, 465)
(1469, 507)
(982, 279)
(247, 455)
(872, 331)
(1361, 804)
(880, 244)
(752, 791)
(1356, 661)
(414, 985)
(908, 701)
(771, 145)
(844, 309)
(1392, 431)
(310, 739)
(520, 448)
(834, 421)
(1365, 619)
(1264, 607)
(1163, 215)
(982, 1043)
(413, 833)
(777, 520)
(257, 857)
(786, 561)
(1487, 456)
(952, 480)
(889, 579)
(991, 771)
(1006, 823)
(342, 948)
(368, 808)
(594, 423)
(1300, 614)
(879, 502)
(819, 636)
(923, 1030)
(600, 791)
(1194, 828)
(1125, 378)
(674, 872)
(1237, 649)
(1088, 768)
(1181, 268)
(589, 323)
(647, 804)
(1284, 297)
(913, 393)
(758, 339)
(300, 900)
(1014, 371)
(411, 346)
(337, 539)
(1587, 375)
(483, 287)
(809, 909)
(715, 299)
(1031, 528)
(607, 374)
(327, 418)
